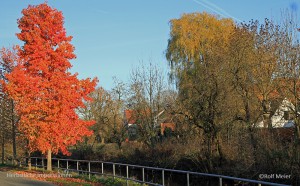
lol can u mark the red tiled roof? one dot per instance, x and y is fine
(163, 127)
(130, 116)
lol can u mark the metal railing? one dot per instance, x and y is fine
(162, 171)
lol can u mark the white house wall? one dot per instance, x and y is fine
(277, 120)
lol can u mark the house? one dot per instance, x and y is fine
(161, 121)
(281, 115)
(165, 125)
(166, 121)
(129, 117)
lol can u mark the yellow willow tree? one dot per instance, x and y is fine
(196, 53)
(45, 92)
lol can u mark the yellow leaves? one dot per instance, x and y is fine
(198, 33)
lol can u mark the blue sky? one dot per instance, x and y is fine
(113, 36)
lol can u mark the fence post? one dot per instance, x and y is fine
(77, 166)
(188, 179)
(102, 170)
(29, 163)
(163, 177)
(89, 170)
(220, 181)
(114, 171)
(58, 165)
(67, 166)
(35, 163)
(43, 165)
(127, 175)
(143, 173)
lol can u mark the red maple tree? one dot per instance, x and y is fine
(46, 93)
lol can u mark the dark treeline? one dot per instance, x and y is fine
(8, 117)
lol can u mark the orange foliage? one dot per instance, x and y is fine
(45, 92)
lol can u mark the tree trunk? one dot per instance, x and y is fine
(13, 133)
(297, 144)
(253, 140)
(298, 133)
(209, 159)
(253, 144)
(2, 145)
(219, 150)
(49, 160)
(209, 152)
(102, 140)
(29, 163)
(28, 154)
